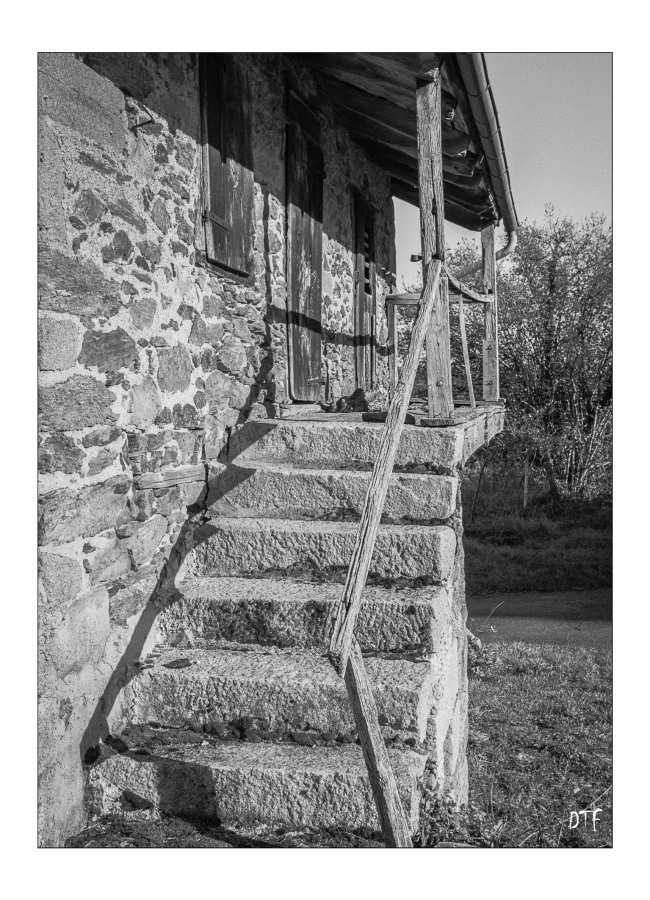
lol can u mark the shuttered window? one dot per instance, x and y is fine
(228, 183)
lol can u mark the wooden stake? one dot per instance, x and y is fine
(491, 342)
(463, 337)
(382, 780)
(526, 470)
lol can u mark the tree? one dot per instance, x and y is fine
(555, 349)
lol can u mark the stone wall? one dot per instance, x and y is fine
(147, 357)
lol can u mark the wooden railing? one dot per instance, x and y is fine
(460, 294)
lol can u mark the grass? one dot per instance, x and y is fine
(510, 549)
(540, 747)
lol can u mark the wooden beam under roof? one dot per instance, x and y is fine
(455, 212)
(454, 143)
(456, 169)
(387, 111)
(368, 73)
(393, 76)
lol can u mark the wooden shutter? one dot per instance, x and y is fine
(304, 250)
(365, 296)
(228, 183)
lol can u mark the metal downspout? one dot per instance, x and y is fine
(473, 71)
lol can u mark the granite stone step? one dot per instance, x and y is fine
(279, 690)
(247, 546)
(279, 491)
(288, 612)
(321, 443)
(273, 784)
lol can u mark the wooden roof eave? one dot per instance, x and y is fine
(374, 96)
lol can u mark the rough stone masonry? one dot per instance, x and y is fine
(149, 357)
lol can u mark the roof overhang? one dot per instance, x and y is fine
(374, 98)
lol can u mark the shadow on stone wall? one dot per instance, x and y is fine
(164, 594)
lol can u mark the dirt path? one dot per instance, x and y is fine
(575, 618)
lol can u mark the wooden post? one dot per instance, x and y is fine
(432, 218)
(463, 337)
(391, 320)
(491, 341)
(526, 470)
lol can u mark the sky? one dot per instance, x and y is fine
(555, 111)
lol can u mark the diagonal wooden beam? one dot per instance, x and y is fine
(343, 632)
(390, 811)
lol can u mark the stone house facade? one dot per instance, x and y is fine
(198, 271)
(149, 353)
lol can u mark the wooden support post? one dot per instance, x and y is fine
(491, 341)
(365, 715)
(429, 112)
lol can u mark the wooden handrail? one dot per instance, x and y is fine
(457, 287)
(344, 650)
(457, 290)
(378, 487)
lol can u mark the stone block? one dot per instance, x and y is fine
(160, 215)
(74, 404)
(58, 341)
(108, 350)
(283, 492)
(71, 93)
(232, 356)
(130, 598)
(175, 368)
(65, 515)
(109, 564)
(300, 787)
(71, 285)
(60, 577)
(101, 437)
(192, 492)
(290, 613)
(81, 637)
(252, 546)
(59, 453)
(170, 477)
(144, 542)
(335, 444)
(120, 248)
(104, 458)
(143, 313)
(145, 403)
(283, 689)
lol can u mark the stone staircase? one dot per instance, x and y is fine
(237, 713)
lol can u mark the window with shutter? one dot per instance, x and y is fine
(228, 183)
